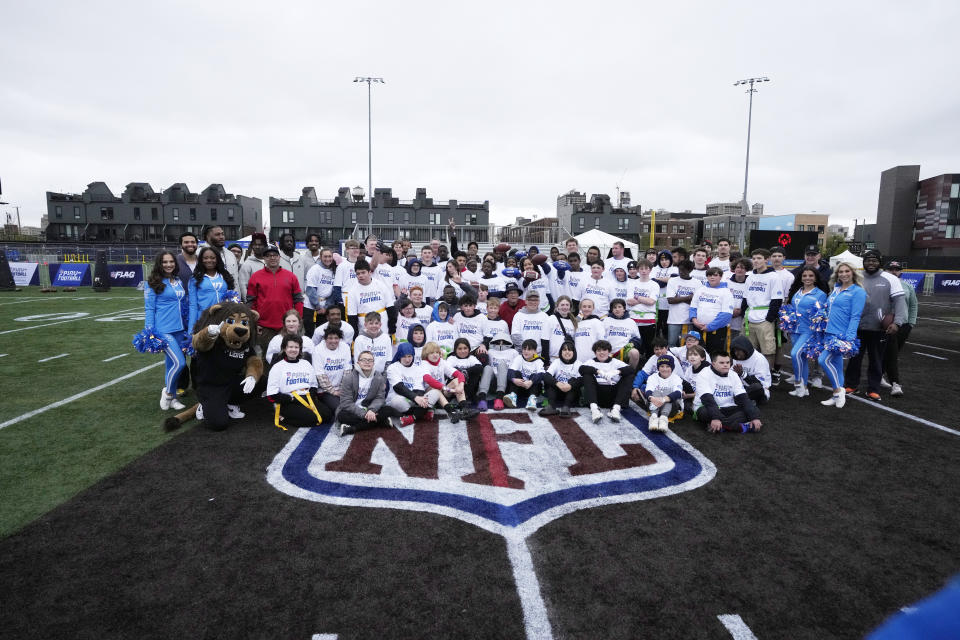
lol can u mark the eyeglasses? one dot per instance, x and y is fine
(365, 360)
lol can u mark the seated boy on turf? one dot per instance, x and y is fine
(500, 354)
(649, 368)
(663, 392)
(526, 376)
(752, 367)
(722, 402)
(606, 382)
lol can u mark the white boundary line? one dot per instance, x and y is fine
(50, 324)
(53, 297)
(122, 355)
(535, 618)
(324, 636)
(736, 626)
(942, 320)
(77, 396)
(929, 355)
(4, 355)
(62, 355)
(930, 346)
(904, 415)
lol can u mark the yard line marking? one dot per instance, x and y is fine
(930, 346)
(4, 355)
(528, 588)
(929, 355)
(62, 355)
(324, 636)
(904, 415)
(942, 320)
(50, 324)
(736, 626)
(122, 355)
(76, 396)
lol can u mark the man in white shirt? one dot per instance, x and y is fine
(616, 260)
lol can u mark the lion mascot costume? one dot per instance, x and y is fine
(227, 365)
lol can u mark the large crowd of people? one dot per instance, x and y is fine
(386, 334)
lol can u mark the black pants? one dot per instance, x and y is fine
(524, 394)
(662, 323)
(327, 404)
(214, 401)
(754, 389)
(647, 333)
(295, 415)
(872, 344)
(716, 341)
(354, 417)
(559, 398)
(731, 417)
(309, 324)
(891, 357)
(607, 395)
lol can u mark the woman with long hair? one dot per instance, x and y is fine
(844, 308)
(808, 295)
(208, 285)
(164, 304)
(561, 325)
(292, 326)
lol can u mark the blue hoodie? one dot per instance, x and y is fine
(164, 311)
(403, 349)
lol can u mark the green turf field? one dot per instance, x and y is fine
(51, 456)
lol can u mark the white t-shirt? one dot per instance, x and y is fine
(381, 347)
(332, 364)
(346, 275)
(712, 301)
(273, 347)
(723, 388)
(680, 312)
(587, 333)
(361, 299)
(444, 334)
(530, 326)
(599, 292)
(345, 327)
(608, 373)
(491, 328)
(411, 377)
(287, 377)
(619, 331)
(573, 280)
(470, 328)
(320, 278)
(557, 335)
(762, 288)
(563, 372)
(662, 387)
(641, 312)
(738, 290)
(662, 273)
(612, 264)
(526, 368)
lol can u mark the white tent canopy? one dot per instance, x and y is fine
(846, 256)
(603, 240)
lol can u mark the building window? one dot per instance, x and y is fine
(819, 228)
(623, 224)
(472, 219)
(176, 213)
(106, 213)
(230, 214)
(406, 218)
(661, 228)
(434, 218)
(596, 222)
(59, 211)
(136, 213)
(675, 229)
(213, 213)
(154, 214)
(954, 190)
(580, 222)
(76, 212)
(353, 217)
(193, 214)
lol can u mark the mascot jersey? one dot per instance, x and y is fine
(219, 367)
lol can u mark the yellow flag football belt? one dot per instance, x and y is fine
(304, 399)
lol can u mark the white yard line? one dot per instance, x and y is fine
(62, 355)
(930, 346)
(122, 355)
(4, 355)
(929, 355)
(736, 626)
(77, 396)
(528, 588)
(942, 320)
(50, 324)
(904, 415)
(324, 636)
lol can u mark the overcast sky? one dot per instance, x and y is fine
(511, 102)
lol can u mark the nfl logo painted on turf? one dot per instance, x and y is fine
(508, 472)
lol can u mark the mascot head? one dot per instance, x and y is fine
(238, 323)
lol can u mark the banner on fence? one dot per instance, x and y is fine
(125, 275)
(70, 275)
(25, 274)
(946, 283)
(915, 279)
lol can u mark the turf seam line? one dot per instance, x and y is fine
(904, 415)
(77, 396)
(50, 324)
(929, 355)
(736, 626)
(942, 320)
(930, 346)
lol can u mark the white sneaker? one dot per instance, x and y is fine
(896, 390)
(165, 399)
(234, 412)
(654, 423)
(199, 411)
(831, 401)
(816, 383)
(799, 392)
(664, 423)
(176, 404)
(884, 384)
(614, 413)
(790, 380)
(595, 413)
(841, 399)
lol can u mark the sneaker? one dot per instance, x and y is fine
(406, 421)
(234, 412)
(468, 412)
(841, 399)
(344, 429)
(790, 379)
(884, 384)
(896, 389)
(799, 392)
(816, 383)
(548, 411)
(614, 413)
(532, 403)
(453, 412)
(509, 400)
(165, 399)
(482, 406)
(664, 424)
(199, 411)
(498, 404)
(564, 412)
(595, 414)
(831, 401)
(873, 396)
(653, 424)
(176, 404)
(850, 391)
(775, 377)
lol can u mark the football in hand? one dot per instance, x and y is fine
(539, 259)
(503, 247)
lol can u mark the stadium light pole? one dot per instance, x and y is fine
(746, 171)
(370, 81)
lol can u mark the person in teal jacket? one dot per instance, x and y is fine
(844, 308)
(209, 283)
(808, 297)
(164, 306)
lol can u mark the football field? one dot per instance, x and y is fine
(511, 526)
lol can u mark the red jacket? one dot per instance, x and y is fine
(272, 295)
(507, 312)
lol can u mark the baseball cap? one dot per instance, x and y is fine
(665, 359)
(271, 248)
(693, 334)
(872, 253)
(511, 286)
(633, 264)
(811, 248)
(894, 265)
(532, 293)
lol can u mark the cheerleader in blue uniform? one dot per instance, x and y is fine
(164, 305)
(808, 297)
(208, 285)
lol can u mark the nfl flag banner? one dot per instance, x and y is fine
(508, 472)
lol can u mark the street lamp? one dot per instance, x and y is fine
(369, 81)
(746, 171)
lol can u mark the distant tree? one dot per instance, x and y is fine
(835, 244)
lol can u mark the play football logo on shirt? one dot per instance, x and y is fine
(296, 379)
